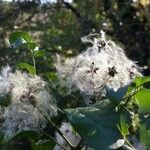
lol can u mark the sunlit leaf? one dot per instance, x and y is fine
(145, 136)
(18, 43)
(21, 37)
(142, 98)
(51, 76)
(39, 53)
(28, 67)
(31, 45)
(141, 80)
(123, 126)
(138, 81)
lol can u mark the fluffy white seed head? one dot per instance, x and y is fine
(103, 64)
(28, 95)
(5, 85)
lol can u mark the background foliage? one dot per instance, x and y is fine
(57, 28)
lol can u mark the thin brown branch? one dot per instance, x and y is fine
(74, 10)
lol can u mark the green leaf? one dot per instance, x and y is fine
(1, 139)
(39, 53)
(145, 136)
(5, 99)
(145, 120)
(19, 43)
(23, 37)
(51, 76)
(123, 126)
(142, 98)
(117, 96)
(32, 136)
(141, 80)
(45, 144)
(30, 45)
(138, 81)
(28, 67)
(96, 124)
(25, 45)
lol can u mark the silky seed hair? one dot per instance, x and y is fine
(29, 97)
(101, 66)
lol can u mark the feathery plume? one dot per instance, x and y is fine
(28, 94)
(103, 65)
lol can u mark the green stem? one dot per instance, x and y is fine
(52, 138)
(127, 98)
(128, 143)
(33, 59)
(34, 65)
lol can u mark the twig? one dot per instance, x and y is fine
(52, 138)
(33, 59)
(80, 145)
(128, 97)
(129, 144)
(71, 8)
(56, 128)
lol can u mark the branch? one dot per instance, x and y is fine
(72, 9)
(44, 114)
